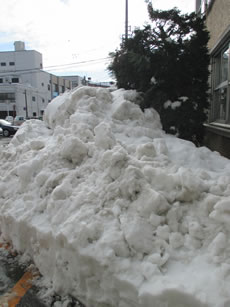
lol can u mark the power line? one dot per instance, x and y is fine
(54, 67)
(77, 63)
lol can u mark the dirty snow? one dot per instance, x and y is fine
(114, 211)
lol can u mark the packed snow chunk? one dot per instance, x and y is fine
(218, 245)
(124, 110)
(174, 297)
(30, 131)
(112, 210)
(26, 171)
(74, 150)
(87, 99)
(53, 109)
(104, 137)
(146, 151)
(37, 144)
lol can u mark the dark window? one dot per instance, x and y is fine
(12, 63)
(33, 98)
(7, 96)
(48, 87)
(221, 89)
(55, 88)
(3, 63)
(1, 80)
(15, 80)
(34, 114)
(42, 84)
(43, 100)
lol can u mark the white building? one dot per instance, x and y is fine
(26, 89)
(75, 80)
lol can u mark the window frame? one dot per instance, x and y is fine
(15, 80)
(218, 85)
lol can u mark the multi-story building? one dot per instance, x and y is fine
(75, 80)
(26, 89)
(218, 24)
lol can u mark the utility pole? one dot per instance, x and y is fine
(126, 20)
(26, 104)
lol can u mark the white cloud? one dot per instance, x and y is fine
(67, 31)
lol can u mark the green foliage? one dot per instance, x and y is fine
(166, 60)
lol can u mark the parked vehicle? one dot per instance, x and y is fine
(9, 119)
(7, 128)
(18, 120)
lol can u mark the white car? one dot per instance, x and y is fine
(9, 119)
(18, 120)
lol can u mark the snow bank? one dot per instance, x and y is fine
(112, 210)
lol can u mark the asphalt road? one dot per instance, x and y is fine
(17, 288)
(13, 278)
(4, 140)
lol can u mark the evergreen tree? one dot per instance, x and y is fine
(168, 61)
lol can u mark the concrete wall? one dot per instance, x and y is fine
(218, 140)
(218, 20)
(27, 59)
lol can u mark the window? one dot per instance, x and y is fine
(43, 100)
(42, 84)
(7, 96)
(55, 88)
(48, 87)
(34, 114)
(15, 80)
(221, 91)
(11, 63)
(33, 98)
(3, 64)
(1, 80)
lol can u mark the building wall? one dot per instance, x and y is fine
(218, 20)
(217, 130)
(218, 140)
(33, 88)
(24, 60)
(74, 80)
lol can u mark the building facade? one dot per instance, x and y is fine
(218, 24)
(26, 89)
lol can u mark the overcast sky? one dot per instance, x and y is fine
(76, 32)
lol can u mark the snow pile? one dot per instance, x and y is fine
(112, 210)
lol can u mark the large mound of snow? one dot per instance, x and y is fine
(114, 211)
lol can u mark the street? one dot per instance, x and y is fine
(16, 282)
(4, 140)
